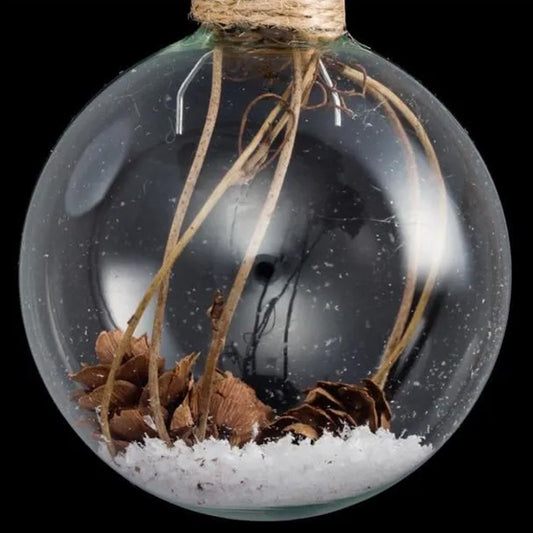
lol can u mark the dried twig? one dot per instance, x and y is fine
(323, 102)
(381, 375)
(412, 259)
(223, 324)
(177, 222)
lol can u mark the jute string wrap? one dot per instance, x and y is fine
(312, 20)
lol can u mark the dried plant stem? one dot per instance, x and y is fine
(173, 237)
(223, 324)
(381, 375)
(412, 259)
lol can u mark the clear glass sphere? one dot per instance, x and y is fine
(327, 283)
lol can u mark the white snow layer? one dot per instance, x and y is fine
(215, 475)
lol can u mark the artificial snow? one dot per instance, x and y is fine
(213, 474)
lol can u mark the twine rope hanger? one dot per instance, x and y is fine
(313, 20)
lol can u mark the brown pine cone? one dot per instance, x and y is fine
(331, 406)
(234, 411)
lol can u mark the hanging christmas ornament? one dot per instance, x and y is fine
(265, 274)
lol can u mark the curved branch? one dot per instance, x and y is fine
(173, 237)
(381, 375)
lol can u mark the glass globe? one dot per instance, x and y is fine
(366, 228)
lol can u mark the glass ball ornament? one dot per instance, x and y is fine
(338, 275)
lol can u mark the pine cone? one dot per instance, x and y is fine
(135, 424)
(331, 407)
(235, 409)
(234, 412)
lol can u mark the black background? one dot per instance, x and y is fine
(471, 55)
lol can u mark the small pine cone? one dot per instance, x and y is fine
(331, 407)
(234, 411)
